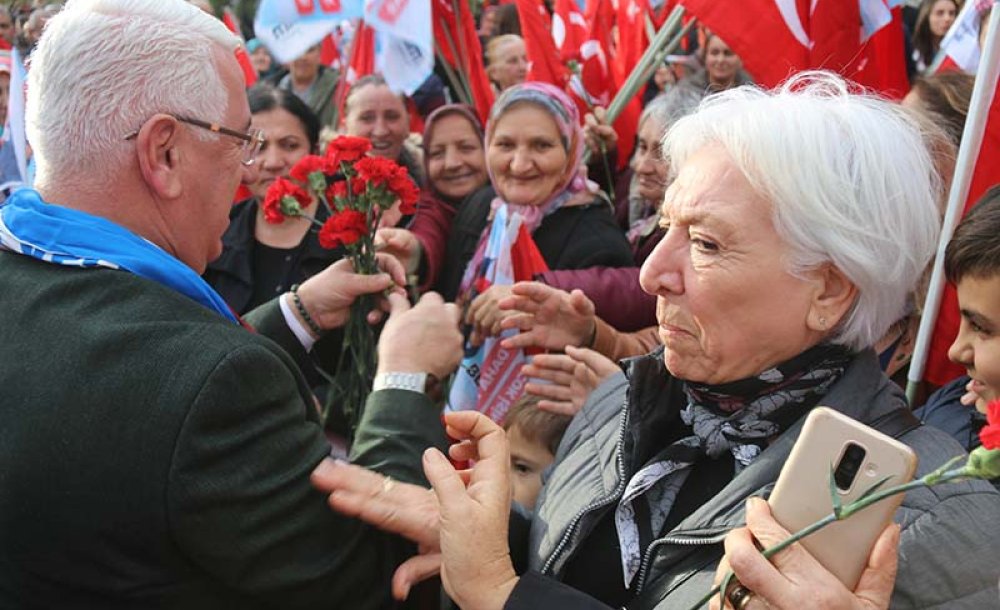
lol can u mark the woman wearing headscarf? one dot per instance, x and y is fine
(615, 293)
(455, 166)
(773, 282)
(534, 151)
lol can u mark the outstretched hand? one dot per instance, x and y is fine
(571, 378)
(547, 317)
(460, 527)
(485, 315)
(402, 244)
(476, 571)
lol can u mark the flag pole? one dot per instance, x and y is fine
(972, 139)
(634, 80)
(640, 73)
(667, 50)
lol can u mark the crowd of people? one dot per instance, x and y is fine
(761, 252)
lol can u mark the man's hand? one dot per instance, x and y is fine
(547, 317)
(571, 376)
(328, 295)
(402, 244)
(408, 510)
(421, 339)
(793, 579)
(460, 527)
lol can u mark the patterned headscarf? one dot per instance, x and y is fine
(462, 110)
(563, 111)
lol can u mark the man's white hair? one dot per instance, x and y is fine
(103, 67)
(848, 175)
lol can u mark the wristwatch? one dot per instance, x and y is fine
(414, 382)
(425, 383)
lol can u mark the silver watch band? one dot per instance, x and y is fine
(414, 382)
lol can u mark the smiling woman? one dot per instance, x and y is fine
(261, 259)
(534, 148)
(373, 111)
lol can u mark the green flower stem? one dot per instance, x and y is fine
(943, 474)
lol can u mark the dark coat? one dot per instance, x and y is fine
(156, 455)
(232, 274)
(233, 277)
(947, 544)
(569, 238)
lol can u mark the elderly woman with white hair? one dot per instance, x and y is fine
(798, 223)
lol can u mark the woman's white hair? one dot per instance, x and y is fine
(103, 67)
(848, 175)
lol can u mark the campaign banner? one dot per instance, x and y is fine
(404, 41)
(289, 28)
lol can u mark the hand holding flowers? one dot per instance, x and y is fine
(357, 192)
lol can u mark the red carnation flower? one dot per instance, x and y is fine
(403, 186)
(339, 189)
(347, 149)
(990, 434)
(376, 170)
(310, 164)
(284, 198)
(344, 228)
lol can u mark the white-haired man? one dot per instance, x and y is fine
(154, 453)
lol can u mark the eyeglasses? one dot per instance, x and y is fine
(253, 138)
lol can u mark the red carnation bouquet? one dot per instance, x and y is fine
(356, 190)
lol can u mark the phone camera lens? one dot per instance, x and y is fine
(849, 465)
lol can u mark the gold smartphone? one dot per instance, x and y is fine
(857, 457)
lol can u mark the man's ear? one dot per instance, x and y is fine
(159, 156)
(832, 299)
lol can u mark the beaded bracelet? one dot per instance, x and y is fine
(313, 326)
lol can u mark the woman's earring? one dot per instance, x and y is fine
(822, 322)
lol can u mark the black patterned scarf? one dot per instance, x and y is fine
(737, 417)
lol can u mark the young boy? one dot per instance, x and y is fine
(972, 263)
(534, 435)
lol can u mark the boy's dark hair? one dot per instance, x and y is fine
(536, 425)
(974, 249)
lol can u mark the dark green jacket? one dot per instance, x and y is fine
(154, 455)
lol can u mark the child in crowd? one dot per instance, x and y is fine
(534, 435)
(972, 263)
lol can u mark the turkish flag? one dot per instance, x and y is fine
(330, 52)
(632, 40)
(771, 37)
(360, 62)
(835, 30)
(884, 66)
(458, 30)
(543, 56)
(940, 369)
(569, 29)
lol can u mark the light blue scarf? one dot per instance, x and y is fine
(63, 236)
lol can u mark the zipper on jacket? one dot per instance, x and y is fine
(617, 491)
(648, 556)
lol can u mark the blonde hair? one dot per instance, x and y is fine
(496, 43)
